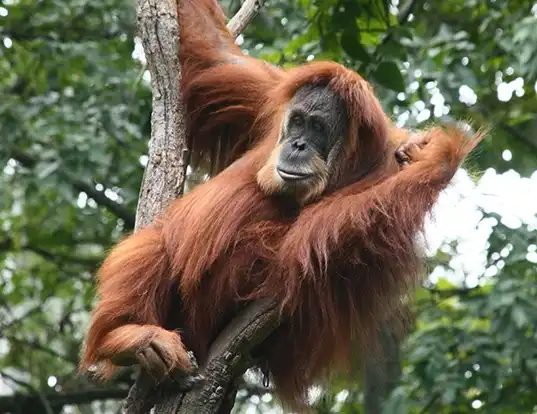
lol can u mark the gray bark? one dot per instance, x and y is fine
(163, 182)
(229, 358)
(165, 172)
(245, 15)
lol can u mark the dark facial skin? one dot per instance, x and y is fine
(314, 128)
(312, 134)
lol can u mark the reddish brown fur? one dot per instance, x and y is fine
(339, 267)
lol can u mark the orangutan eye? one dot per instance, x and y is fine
(297, 120)
(317, 126)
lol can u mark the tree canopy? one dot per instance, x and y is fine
(75, 106)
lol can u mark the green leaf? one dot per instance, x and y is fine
(388, 75)
(350, 42)
(444, 284)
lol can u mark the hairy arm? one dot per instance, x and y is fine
(223, 89)
(379, 224)
(135, 288)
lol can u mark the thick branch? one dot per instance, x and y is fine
(229, 356)
(164, 175)
(165, 172)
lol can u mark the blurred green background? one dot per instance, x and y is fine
(74, 126)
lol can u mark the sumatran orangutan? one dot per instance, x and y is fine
(318, 206)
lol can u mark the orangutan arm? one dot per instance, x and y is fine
(223, 89)
(385, 219)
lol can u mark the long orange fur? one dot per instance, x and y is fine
(338, 267)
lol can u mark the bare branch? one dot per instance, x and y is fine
(229, 356)
(33, 403)
(42, 397)
(165, 172)
(382, 372)
(14, 321)
(244, 16)
(7, 244)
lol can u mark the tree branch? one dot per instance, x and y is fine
(33, 344)
(229, 356)
(402, 19)
(20, 319)
(244, 16)
(32, 403)
(446, 293)
(165, 172)
(7, 244)
(431, 401)
(526, 139)
(41, 397)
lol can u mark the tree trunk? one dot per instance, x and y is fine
(382, 373)
(163, 181)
